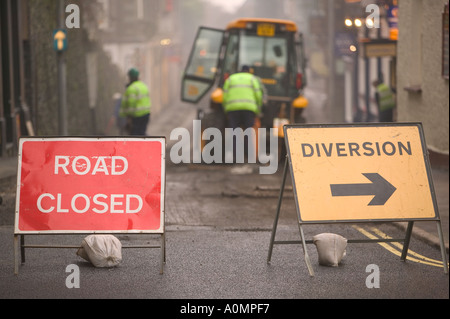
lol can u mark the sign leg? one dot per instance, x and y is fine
(305, 251)
(164, 247)
(16, 255)
(22, 248)
(275, 222)
(443, 252)
(163, 253)
(407, 240)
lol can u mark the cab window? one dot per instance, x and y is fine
(268, 58)
(232, 54)
(201, 70)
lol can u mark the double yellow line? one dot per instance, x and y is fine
(413, 256)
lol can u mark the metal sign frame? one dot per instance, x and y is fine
(406, 240)
(19, 235)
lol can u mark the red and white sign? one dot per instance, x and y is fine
(90, 185)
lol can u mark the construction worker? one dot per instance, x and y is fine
(242, 98)
(385, 100)
(136, 104)
(242, 102)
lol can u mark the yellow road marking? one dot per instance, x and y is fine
(398, 245)
(422, 260)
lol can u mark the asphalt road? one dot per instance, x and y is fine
(219, 220)
(218, 235)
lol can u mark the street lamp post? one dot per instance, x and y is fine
(62, 93)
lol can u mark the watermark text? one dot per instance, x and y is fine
(228, 149)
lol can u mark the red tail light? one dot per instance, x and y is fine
(299, 81)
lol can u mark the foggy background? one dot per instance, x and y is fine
(156, 37)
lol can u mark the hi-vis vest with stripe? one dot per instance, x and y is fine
(386, 97)
(136, 100)
(242, 92)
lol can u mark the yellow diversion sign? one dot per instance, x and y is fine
(360, 172)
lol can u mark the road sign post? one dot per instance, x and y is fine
(89, 186)
(60, 40)
(60, 46)
(354, 173)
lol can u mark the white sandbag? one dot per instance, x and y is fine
(101, 250)
(331, 248)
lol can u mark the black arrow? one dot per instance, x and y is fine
(380, 188)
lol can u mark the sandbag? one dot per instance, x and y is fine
(101, 250)
(331, 248)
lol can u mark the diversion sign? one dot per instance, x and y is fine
(361, 172)
(90, 185)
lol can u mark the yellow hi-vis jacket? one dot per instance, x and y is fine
(136, 100)
(242, 92)
(386, 98)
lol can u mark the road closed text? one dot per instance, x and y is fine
(82, 165)
(100, 204)
(81, 203)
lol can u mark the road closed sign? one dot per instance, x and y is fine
(365, 172)
(90, 185)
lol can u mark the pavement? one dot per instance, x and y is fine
(208, 264)
(427, 231)
(8, 167)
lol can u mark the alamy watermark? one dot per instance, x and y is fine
(73, 19)
(373, 19)
(373, 280)
(73, 280)
(228, 149)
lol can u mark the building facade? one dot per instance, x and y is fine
(422, 86)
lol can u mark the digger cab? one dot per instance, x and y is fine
(272, 48)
